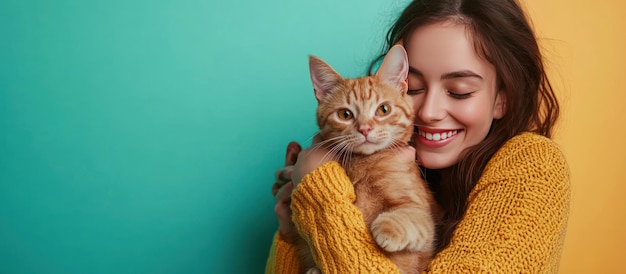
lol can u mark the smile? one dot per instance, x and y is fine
(438, 136)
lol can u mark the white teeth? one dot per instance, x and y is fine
(438, 136)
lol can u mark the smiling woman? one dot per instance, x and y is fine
(484, 113)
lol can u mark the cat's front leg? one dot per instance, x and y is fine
(407, 228)
(313, 270)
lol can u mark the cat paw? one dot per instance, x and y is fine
(313, 270)
(394, 231)
(389, 234)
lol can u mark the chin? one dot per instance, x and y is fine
(367, 149)
(430, 164)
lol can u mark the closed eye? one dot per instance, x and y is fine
(460, 95)
(415, 91)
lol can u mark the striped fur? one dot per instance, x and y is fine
(396, 203)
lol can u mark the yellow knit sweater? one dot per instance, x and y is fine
(515, 220)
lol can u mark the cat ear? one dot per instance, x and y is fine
(395, 67)
(323, 76)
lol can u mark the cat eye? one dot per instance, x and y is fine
(345, 114)
(383, 110)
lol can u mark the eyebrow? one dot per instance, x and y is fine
(450, 75)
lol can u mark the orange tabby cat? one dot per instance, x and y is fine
(364, 121)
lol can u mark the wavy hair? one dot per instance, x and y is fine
(503, 35)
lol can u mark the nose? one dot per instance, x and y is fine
(365, 130)
(431, 107)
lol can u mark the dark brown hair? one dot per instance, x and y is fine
(504, 37)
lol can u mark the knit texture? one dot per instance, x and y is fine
(515, 221)
(283, 261)
(319, 216)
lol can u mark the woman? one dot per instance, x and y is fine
(485, 111)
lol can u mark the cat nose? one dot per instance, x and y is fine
(365, 130)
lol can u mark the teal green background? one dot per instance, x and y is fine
(142, 136)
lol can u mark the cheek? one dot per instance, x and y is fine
(332, 127)
(476, 118)
(416, 101)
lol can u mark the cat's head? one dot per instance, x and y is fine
(366, 114)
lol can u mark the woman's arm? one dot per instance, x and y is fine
(325, 215)
(517, 213)
(327, 219)
(283, 257)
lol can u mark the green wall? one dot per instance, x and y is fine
(142, 136)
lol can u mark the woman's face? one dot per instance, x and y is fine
(454, 93)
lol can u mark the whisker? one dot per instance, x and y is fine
(335, 149)
(340, 150)
(349, 154)
(348, 157)
(310, 139)
(395, 147)
(336, 145)
(325, 142)
(329, 155)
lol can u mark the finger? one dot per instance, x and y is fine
(283, 203)
(283, 175)
(280, 176)
(286, 174)
(275, 187)
(285, 225)
(283, 212)
(283, 194)
(293, 149)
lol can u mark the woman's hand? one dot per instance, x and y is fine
(282, 192)
(298, 163)
(310, 159)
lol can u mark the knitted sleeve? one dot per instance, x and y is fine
(517, 213)
(326, 217)
(283, 257)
